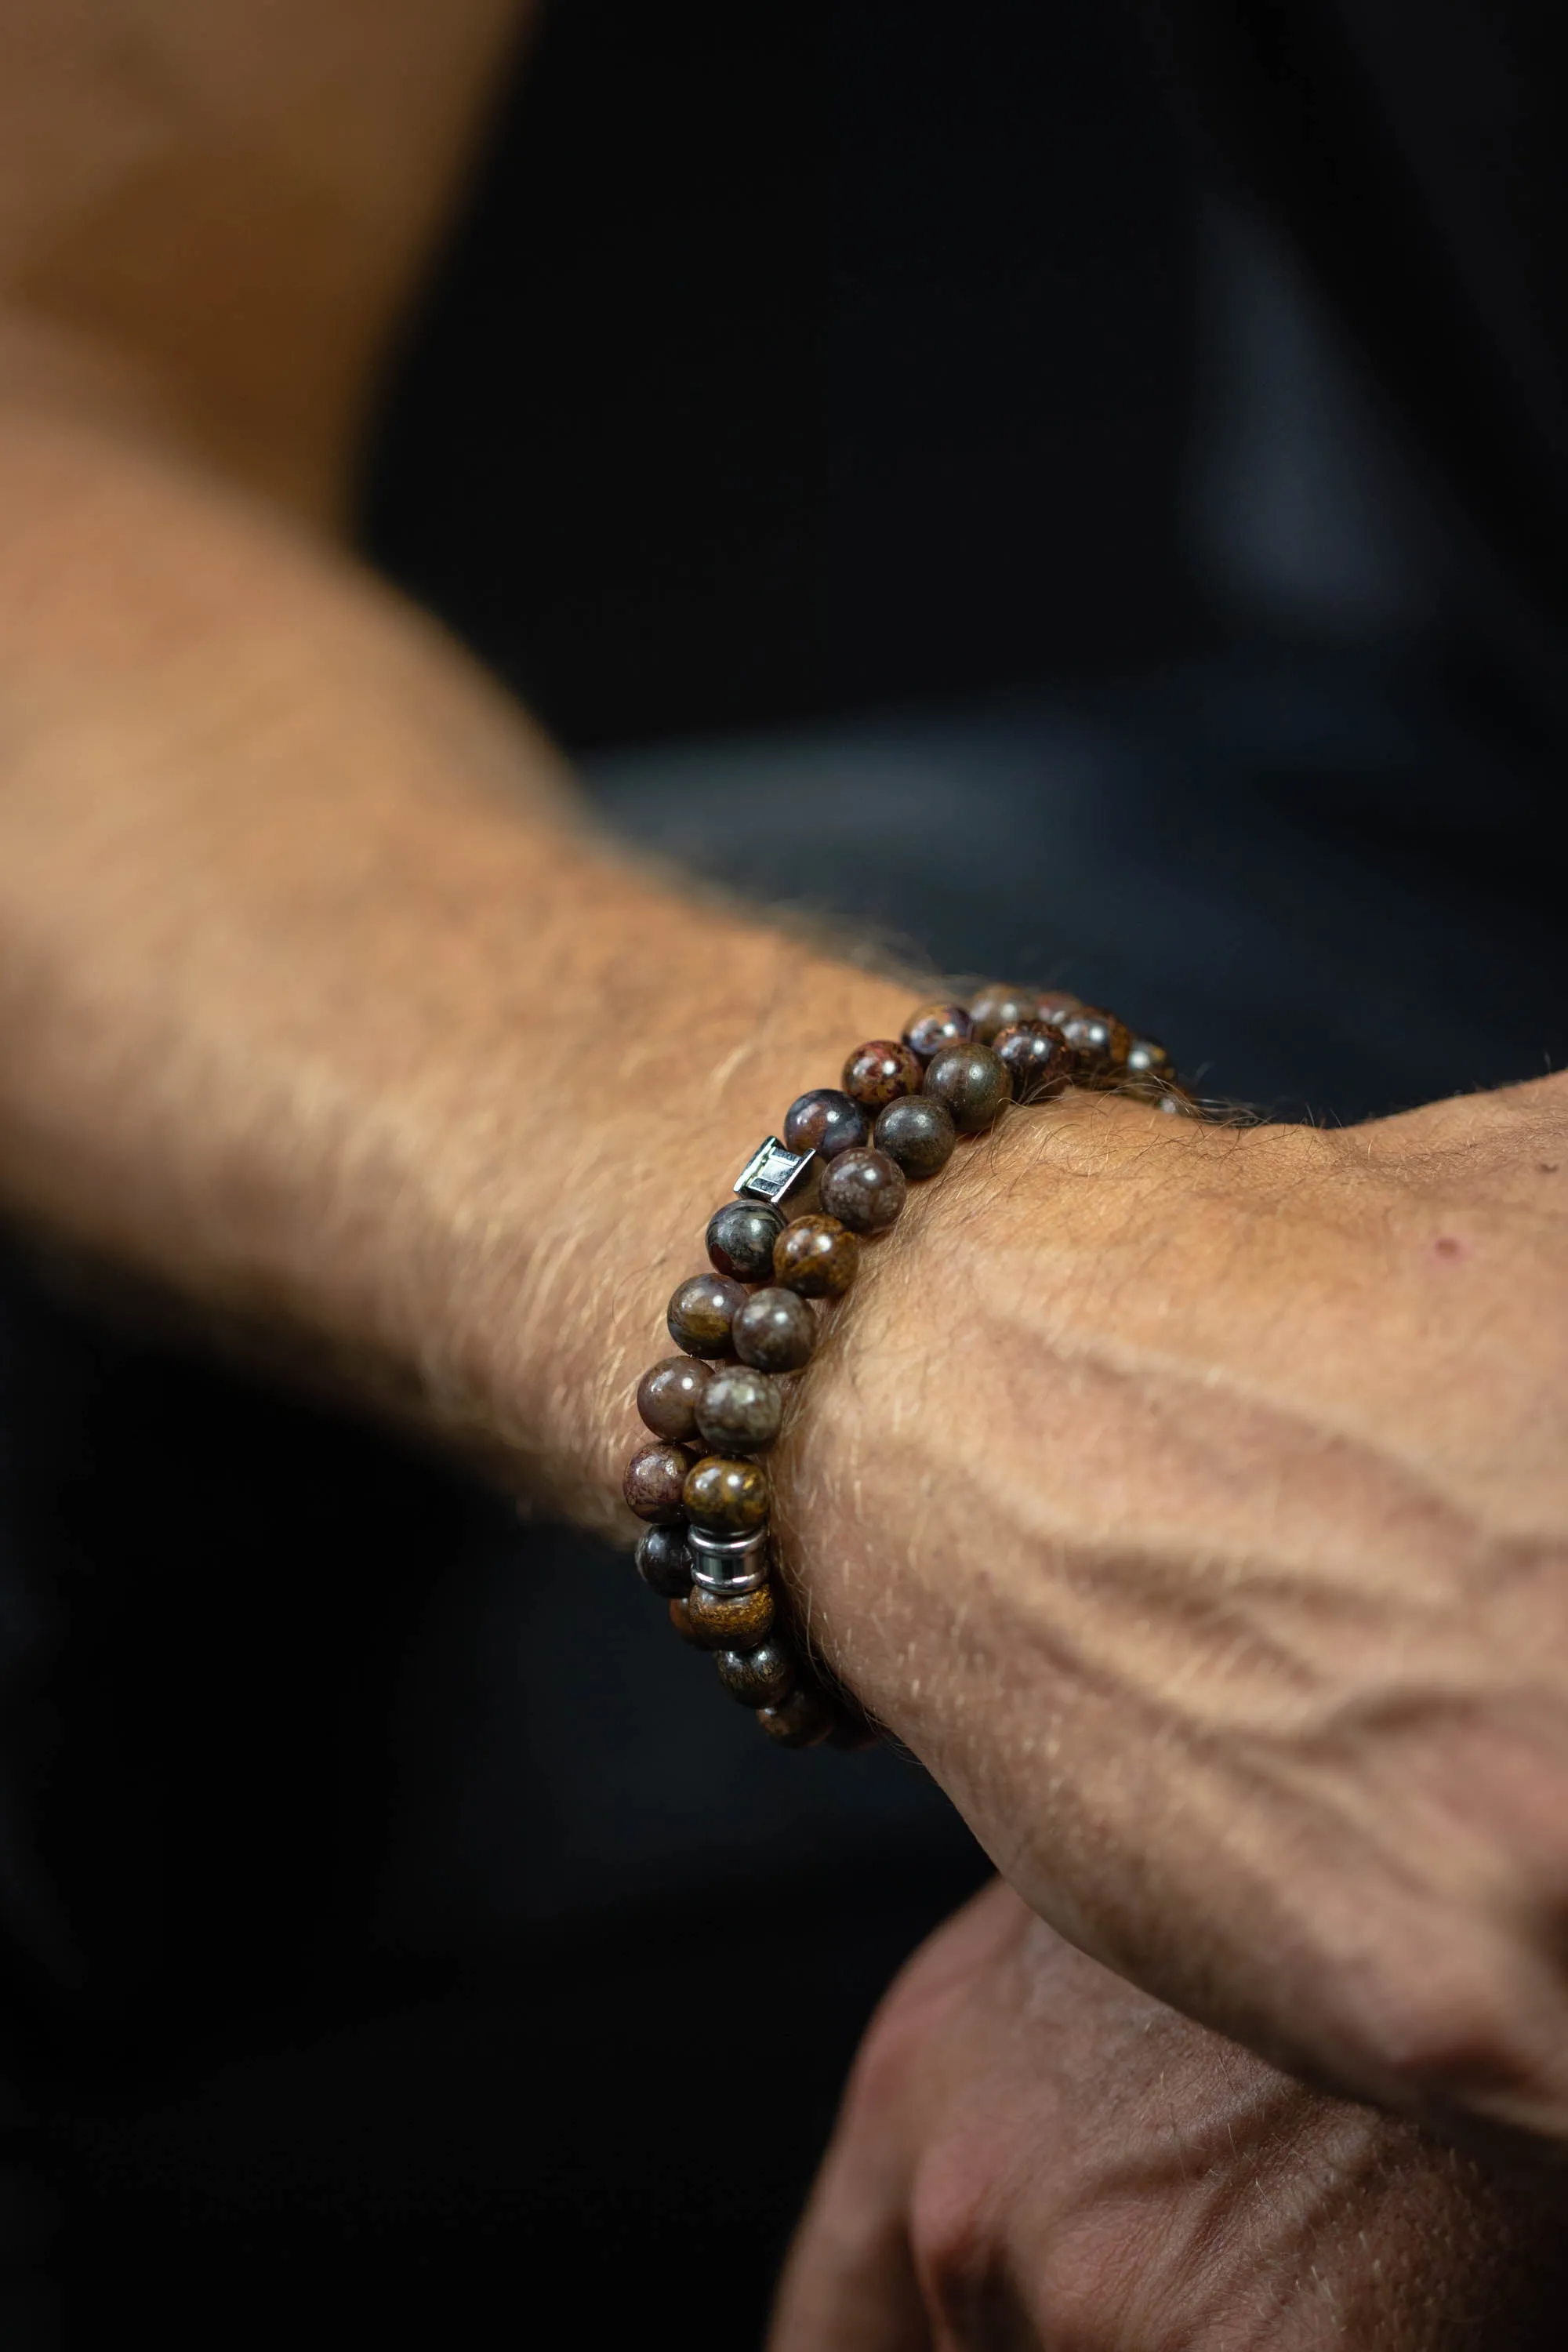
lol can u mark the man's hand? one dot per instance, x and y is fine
(1031, 2153)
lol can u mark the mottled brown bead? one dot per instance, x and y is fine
(1058, 1005)
(680, 1618)
(1146, 1055)
(933, 1027)
(740, 1238)
(1037, 1059)
(802, 1721)
(864, 1190)
(731, 1498)
(916, 1132)
(667, 1394)
(816, 1256)
(1101, 1042)
(701, 1311)
(775, 1332)
(730, 1621)
(997, 1008)
(1161, 1094)
(971, 1083)
(880, 1072)
(825, 1122)
(741, 1411)
(663, 1562)
(760, 1678)
(655, 1480)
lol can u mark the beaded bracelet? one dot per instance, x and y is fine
(747, 1326)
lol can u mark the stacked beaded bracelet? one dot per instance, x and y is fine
(744, 1327)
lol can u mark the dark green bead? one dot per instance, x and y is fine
(918, 1133)
(740, 1238)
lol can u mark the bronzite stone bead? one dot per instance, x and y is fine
(740, 1411)
(864, 1190)
(740, 1238)
(667, 1394)
(931, 1026)
(727, 1497)
(880, 1072)
(664, 1563)
(680, 1618)
(775, 1332)
(802, 1721)
(1101, 1042)
(760, 1677)
(997, 1008)
(1147, 1056)
(1160, 1093)
(816, 1256)
(701, 1312)
(1058, 1005)
(654, 1483)
(730, 1621)
(1037, 1059)
(827, 1121)
(918, 1133)
(971, 1083)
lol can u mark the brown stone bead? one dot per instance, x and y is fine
(1146, 1055)
(760, 1678)
(802, 1721)
(740, 1238)
(731, 1498)
(1101, 1042)
(864, 1190)
(775, 1332)
(741, 1411)
(880, 1072)
(667, 1394)
(1058, 1005)
(816, 1256)
(680, 1618)
(997, 1008)
(730, 1621)
(701, 1311)
(1037, 1059)
(971, 1083)
(663, 1562)
(826, 1121)
(655, 1480)
(931, 1026)
(1161, 1094)
(918, 1132)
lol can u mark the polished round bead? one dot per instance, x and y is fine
(880, 1072)
(760, 1678)
(1146, 1055)
(701, 1311)
(655, 1480)
(1161, 1094)
(667, 1394)
(802, 1721)
(664, 1563)
(918, 1133)
(731, 1497)
(997, 1008)
(971, 1083)
(740, 1238)
(825, 1122)
(816, 1256)
(1037, 1059)
(775, 1332)
(741, 1411)
(680, 1618)
(1058, 1005)
(933, 1027)
(725, 1620)
(864, 1190)
(1099, 1042)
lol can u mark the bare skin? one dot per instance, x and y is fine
(1220, 1573)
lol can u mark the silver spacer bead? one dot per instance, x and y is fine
(728, 1563)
